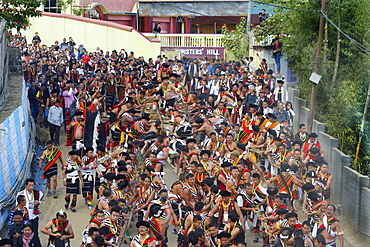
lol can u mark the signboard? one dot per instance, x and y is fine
(198, 52)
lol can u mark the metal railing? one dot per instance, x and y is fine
(267, 41)
(187, 39)
(3, 64)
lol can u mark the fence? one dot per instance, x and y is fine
(187, 39)
(17, 131)
(349, 188)
(3, 64)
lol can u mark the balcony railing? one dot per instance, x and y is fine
(266, 42)
(187, 39)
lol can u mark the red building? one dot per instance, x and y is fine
(175, 16)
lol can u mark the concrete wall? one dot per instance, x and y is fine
(349, 189)
(92, 33)
(364, 208)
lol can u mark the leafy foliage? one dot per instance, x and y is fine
(340, 104)
(235, 40)
(69, 4)
(17, 12)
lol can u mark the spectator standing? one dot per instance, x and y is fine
(86, 59)
(263, 15)
(104, 129)
(64, 44)
(276, 52)
(55, 120)
(71, 44)
(289, 108)
(281, 113)
(210, 68)
(281, 94)
(251, 97)
(15, 229)
(216, 65)
(21, 206)
(34, 102)
(157, 28)
(36, 38)
(302, 135)
(80, 51)
(33, 198)
(251, 66)
(193, 68)
(68, 94)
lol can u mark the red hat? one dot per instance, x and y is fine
(56, 41)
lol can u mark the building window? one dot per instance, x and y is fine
(95, 14)
(52, 6)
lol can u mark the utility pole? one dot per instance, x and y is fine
(316, 67)
(247, 30)
(137, 14)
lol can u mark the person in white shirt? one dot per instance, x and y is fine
(33, 199)
(55, 119)
(251, 66)
(193, 69)
(202, 86)
(281, 94)
(80, 70)
(266, 109)
(214, 87)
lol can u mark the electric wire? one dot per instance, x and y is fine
(356, 43)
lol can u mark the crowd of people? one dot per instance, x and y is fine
(224, 127)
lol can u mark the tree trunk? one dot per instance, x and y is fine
(337, 56)
(326, 34)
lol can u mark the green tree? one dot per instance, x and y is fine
(342, 92)
(69, 4)
(17, 12)
(235, 40)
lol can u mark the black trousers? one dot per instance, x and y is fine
(54, 133)
(35, 225)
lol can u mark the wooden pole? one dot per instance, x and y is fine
(316, 68)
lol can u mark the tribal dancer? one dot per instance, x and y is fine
(71, 179)
(144, 195)
(51, 155)
(78, 127)
(112, 224)
(260, 192)
(143, 239)
(88, 167)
